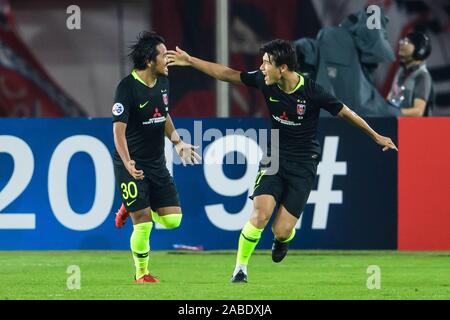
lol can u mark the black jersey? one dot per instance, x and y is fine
(295, 114)
(144, 110)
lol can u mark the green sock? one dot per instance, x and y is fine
(169, 221)
(140, 247)
(155, 217)
(248, 240)
(290, 237)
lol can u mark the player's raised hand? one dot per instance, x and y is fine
(178, 57)
(135, 173)
(187, 153)
(385, 142)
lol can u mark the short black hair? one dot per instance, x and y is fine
(422, 45)
(282, 52)
(144, 49)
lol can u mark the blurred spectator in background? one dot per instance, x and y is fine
(412, 89)
(349, 52)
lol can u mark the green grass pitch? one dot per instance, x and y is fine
(206, 275)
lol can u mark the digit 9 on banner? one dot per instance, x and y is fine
(221, 184)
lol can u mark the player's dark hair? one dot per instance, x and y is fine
(144, 49)
(282, 52)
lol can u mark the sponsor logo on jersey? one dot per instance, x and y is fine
(157, 114)
(286, 121)
(273, 100)
(157, 118)
(141, 105)
(117, 109)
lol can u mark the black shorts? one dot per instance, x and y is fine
(290, 186)
(157, 190)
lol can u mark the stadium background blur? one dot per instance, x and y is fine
(56, 90)
(97, 53)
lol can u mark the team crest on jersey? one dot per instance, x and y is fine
(165, 99)
(301, 109)
(117, 109)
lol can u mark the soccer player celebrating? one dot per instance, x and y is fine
(141, 119)
(294, 104)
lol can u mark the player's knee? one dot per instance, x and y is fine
(281, 232)
(260, 217)
(139, 217)
(171, 221)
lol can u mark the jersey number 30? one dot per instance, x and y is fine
(129, 190)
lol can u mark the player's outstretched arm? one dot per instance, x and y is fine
(181, 58)
(357, 121)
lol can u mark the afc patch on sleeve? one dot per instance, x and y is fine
(117, 109)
